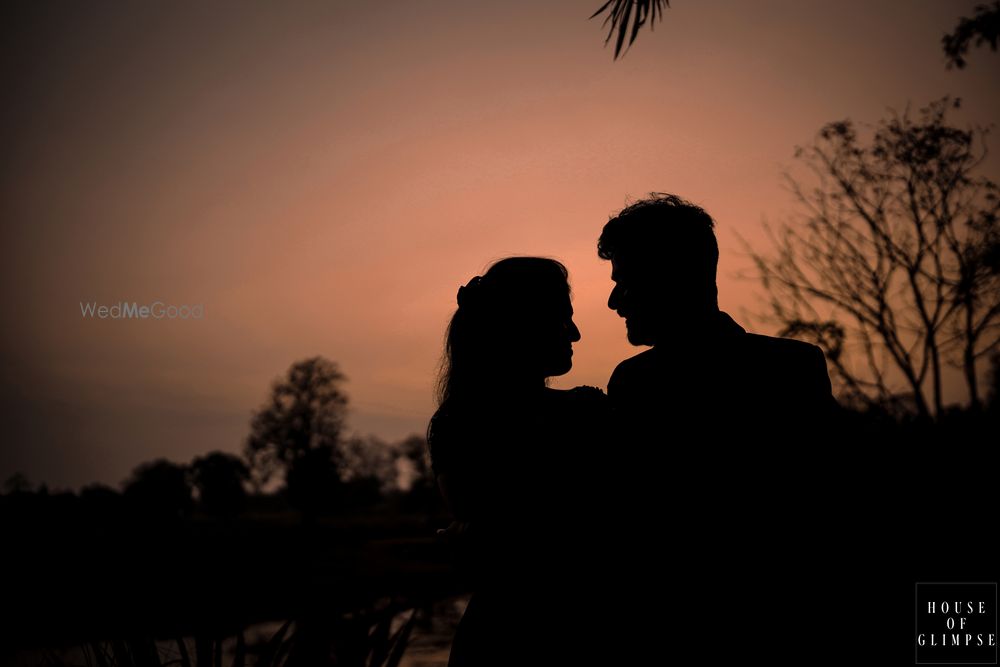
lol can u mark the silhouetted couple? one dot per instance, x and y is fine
(663, 519)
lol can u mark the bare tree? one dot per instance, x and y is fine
(894, 267)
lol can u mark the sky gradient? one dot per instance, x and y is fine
(322, 176)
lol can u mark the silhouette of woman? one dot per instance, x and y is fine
(510, 455)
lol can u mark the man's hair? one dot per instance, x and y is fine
(664, 228)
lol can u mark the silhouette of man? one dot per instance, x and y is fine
(720, 520)
(702, 364)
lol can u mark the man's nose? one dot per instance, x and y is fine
(615, 299)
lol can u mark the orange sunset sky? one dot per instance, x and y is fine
(322, 176)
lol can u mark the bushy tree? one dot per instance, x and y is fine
(981, 28)
(219, 479)
(297, 435)
(421, 486)
(304, 416)
(17, 483)
(160, 489)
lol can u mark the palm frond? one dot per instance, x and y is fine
(620, 12)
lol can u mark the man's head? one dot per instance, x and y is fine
(663, 256)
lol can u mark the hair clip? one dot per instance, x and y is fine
(463, 292)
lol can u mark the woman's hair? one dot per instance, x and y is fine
(479, 347)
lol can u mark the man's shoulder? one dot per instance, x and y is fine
(631, 372)
(787, 348)
(635, 364)
(787, 363)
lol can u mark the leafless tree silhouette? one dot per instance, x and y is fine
(894, 267)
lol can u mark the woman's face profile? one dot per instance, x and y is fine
(545, 336)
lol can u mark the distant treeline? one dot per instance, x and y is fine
(296, 457)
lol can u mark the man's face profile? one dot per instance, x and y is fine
(631, 299)
(655, 298)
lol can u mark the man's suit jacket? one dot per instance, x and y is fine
(726, 382)
(726, 492)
